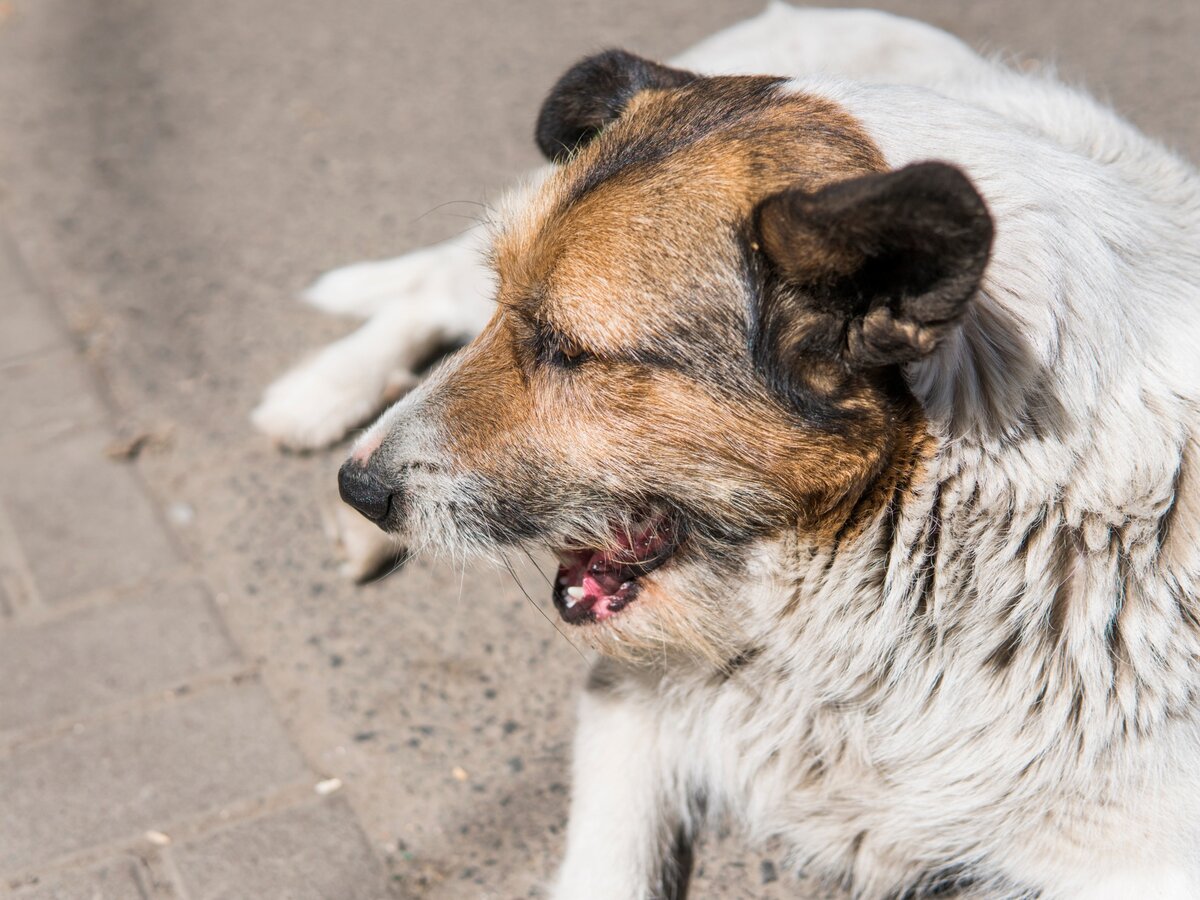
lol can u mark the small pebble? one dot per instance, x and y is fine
(157, 838)
(328, 786)
(459, 773)
(181, 514)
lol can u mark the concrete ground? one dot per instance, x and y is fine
(192, 704)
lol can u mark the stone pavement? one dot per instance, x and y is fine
(140, 754)
(180, 666)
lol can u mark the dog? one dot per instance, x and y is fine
(855, 380)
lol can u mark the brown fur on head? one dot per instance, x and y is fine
(701, 315)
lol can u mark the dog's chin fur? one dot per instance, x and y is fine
(680, 617)
(936, 426)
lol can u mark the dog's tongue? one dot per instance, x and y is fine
(596, 572)
(602, 575)
(601, 578)
(589, 576)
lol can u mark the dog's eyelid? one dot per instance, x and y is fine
(558, 349)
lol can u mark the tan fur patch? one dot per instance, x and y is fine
(605, 265)
(625, 262)
(618, 363)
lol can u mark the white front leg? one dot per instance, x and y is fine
(452, 272)
(626, 806)
(433, 297)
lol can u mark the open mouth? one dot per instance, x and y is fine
(594, 584)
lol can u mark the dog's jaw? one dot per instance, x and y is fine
(594, 584)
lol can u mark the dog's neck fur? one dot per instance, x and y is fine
(905, 637)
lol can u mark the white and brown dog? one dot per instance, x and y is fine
(861, 403)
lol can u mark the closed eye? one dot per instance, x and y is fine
(554, 349)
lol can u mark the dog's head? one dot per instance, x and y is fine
(702, 315)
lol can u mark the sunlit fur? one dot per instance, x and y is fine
(953, 649)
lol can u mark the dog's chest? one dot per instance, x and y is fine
(776, 746)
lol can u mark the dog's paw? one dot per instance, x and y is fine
(365, 551)
(362, 289)
(316, 404)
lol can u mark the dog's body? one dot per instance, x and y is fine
(907, 560)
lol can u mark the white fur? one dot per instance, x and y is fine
(413, 305)
(1095, 267)
(617, 816)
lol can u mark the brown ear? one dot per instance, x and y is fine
(877, 269)
(593, 93)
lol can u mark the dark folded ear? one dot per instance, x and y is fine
(593, 93)
(877, 269)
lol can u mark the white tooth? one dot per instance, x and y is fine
(575, 593)
(627, 584)
(570, 602)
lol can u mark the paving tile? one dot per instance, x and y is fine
(82, 519)
(28, 326)
(156, 637)
(312, 852)
(115, 779)
(49, 392)
(116, 879)
(27, 322)
(17, 589)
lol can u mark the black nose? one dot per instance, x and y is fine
(364, 491)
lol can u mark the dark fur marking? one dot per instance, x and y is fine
(816, 771)
(945, 882)
(1035, 528)
(743, 659)
(1067, 546)
(676, 871)
(881, 267)
(593, 93)
(927, 576)
(865, 502)
(891, 516)
(1112, 630)
(703, 106)
(889, 521)
(1187, 611)
(934, 688)
(1035, 708)
(856, 844)
(1075, 714)
(603, 677)
(1001, 658)
(815, 410)
(505, 517)
(995, 385)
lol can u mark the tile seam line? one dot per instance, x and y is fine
(97, 378)
(178, 691)
(193, 826)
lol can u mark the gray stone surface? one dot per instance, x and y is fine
(174, 173)
(118, 879)
(28, 327)
(28, 324)
(305, 853)
(157, 637)
(47, 393)
(81, 518)
(113, 779)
